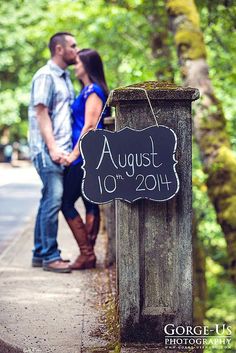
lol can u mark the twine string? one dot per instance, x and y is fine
(109, 98)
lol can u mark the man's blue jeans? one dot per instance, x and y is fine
(46, 226)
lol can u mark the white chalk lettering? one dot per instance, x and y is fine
(153, 154)
(108, 151)
(142, 179)
(152, 178)
(146, 156)
(131, 160)
(166, 182)
(125, 161)
(131, 164)
(151, 182)
(106, 185)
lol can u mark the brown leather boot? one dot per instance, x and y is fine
(87, 258)
(92, 226)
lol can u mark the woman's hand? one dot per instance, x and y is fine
(72, 157)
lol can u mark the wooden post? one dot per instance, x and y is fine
(154, 242)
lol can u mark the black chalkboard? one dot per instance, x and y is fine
(129, 164)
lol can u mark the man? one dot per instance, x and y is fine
(50, 142)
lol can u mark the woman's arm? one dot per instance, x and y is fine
(93, 109)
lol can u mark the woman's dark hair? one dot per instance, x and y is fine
(94, 67)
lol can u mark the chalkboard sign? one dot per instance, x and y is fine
(129, 164)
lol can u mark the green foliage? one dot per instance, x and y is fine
(221, 301)
(209, 230)
(119, 30)
(218, 20)
(179, 7)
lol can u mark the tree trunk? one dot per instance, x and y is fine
(199, 280)
(160, 48)
(219, 162)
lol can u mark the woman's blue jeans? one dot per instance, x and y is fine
(46, 226)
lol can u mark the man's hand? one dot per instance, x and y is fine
(58, 156)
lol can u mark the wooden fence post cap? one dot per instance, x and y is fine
(155, 90)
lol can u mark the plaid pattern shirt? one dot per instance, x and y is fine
(52, 87)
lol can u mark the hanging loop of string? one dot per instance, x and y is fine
(149, 102)
(105, 105)
(138, 88)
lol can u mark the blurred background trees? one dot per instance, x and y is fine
(140, 40)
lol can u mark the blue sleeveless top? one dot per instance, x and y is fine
(78, 112)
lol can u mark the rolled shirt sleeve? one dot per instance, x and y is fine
(42, 90)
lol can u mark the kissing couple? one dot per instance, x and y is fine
(57, 121)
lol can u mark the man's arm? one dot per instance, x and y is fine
(45, 126)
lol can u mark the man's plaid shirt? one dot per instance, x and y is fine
(52, 87)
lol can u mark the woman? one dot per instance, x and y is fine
(86, 111)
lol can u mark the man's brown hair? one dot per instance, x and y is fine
(57, 38)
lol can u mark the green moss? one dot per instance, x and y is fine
(191, 42)
(222, 184)
(188, 36)
(211, 125)
(221, 187)
(210, 143)
(149, 85)
(111, 320)
(228, 211)
(180, 7)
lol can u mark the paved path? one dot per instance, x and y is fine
(19, 197)
(47, 312)
(44, 312)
